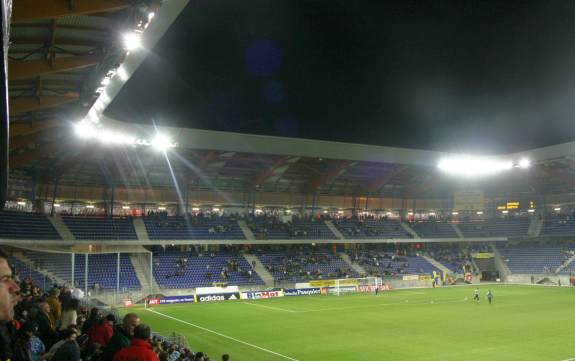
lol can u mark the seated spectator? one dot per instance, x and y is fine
(141, 348)
(69, 350)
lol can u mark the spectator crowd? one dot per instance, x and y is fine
(37, 326)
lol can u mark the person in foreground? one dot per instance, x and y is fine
(140, 349)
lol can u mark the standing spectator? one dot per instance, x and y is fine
(102, 331)
(69, 314)
(45, 325)
(69, 350)
(55, 305)
(141, 348)
(8, 298)
(122, 336)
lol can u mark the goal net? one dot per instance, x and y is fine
(366, 284)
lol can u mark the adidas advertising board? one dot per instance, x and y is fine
(218, 297)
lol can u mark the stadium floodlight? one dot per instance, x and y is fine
(162, 142)
(132, 41)
(21, 203)
(85, 130)
(410, 213)
(57, 205)
(125, 207)
(288, 211)
(105, 81)
(557, 209)
(524, 163)
(195, 209)
(90, 206)
(161, 208)
(479, 213)
(455, 213)
(432, 213)
(151, 15)
(216, 209)
(340, 212)
(472, 166)
(505, 211)
(325, 211)
(531, 210)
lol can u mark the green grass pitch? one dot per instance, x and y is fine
(523, 324)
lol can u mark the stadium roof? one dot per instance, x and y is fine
(207, 159)
(459, 76)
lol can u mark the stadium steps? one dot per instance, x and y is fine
(500, 264)
(409, 230)
(260, 269)
(457, 230)
(28, 262)
(353, 265)
(334, 230)
(141, 264)
(565, 264)
(535, 227)
(436, 264)
(61, 228)
(140, 229)
(246, 230)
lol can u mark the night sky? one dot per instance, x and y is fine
(471, 76)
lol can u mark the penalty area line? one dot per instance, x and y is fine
(222, 335)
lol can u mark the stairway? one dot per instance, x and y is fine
(61, 228)
(535, 227)
(141, 263)
(436, 264)
(140, 229)
(500, 263)
(22, 258)
(457, 230)
(565, 264)
(409, 230)
(246, 230)
(334, 230)
(353, 265)
(260, 269)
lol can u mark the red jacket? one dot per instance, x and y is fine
(101, 333)
(141, 350)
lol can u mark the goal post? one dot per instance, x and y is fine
(365, 284)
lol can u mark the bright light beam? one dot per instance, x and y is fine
(470, 166)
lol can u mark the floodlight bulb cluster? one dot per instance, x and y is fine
(132, 41)
(470, 166)
(89, 130)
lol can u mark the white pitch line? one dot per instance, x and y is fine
(440, 302)
(569, 359)
(270, 307)
(222, 335)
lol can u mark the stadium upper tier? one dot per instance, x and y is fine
(101, 228)
(29, 226)
(371, 228)
(26, 225)
(164, 227)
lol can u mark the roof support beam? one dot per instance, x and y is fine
(276, 170)
(29, 69)
(377, 183)
(29, 10)
(337, 168)
(30, 104)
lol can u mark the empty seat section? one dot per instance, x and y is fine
(433, 229)
(175, 269)
(100, 228)
(371, 228)
(23, 225)
(496, 227)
